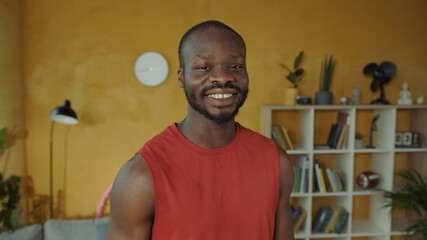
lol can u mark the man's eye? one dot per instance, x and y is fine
(236, 67)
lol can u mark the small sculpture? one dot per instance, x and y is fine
(356, 96)
(373, 138)
(382, 75)
(404, 95)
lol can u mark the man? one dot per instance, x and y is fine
(206, 177)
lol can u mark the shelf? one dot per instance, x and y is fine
(300, 235)
(420, 150)
(366, 227)
(299, 194)
(331, 194)
(372, 150)
(297, 151)
(330, 151)
(328, 235)
(399, 225)
(310, 126)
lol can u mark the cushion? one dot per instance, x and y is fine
(32, 232)
(70, 229)
(101, 228)
(85, 229)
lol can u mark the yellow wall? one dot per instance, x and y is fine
(12, 159)
(84, 51)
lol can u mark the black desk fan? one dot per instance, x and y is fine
(382, 75)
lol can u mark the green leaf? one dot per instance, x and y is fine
(298, 60)
(3, 136)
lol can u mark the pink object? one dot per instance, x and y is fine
(103, 201)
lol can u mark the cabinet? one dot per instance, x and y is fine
(310, 125)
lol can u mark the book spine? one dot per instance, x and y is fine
(318, 178)
(288, 140)
(331, 181)
(341, 221)
(322, 180)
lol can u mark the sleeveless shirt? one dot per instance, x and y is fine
(229, 193)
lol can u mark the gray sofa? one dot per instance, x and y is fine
(85, 229)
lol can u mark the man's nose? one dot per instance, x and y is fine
(221, 75)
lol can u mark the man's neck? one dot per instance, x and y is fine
(207, 134)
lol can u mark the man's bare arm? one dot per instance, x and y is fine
(132, 202)
(283, 228)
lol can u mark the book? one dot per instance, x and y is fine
(340, 175)
(315, 184)
(320, 183)
(322, 219)
(325, 176)
(331, 134)
(335, 181)
(334, 219)
(300, 219)
(342, 136)
(276, 132)
(295, 213)
(343, 118)
(331, 180)
(338, 179)
(275, 138)
(303, 163)
(287, 138)
(297, 177)
(336, 135)
(342, 220)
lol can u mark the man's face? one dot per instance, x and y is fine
(214, 77)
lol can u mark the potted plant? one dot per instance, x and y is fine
(324, 96)
(295, 77)
(9, 194)
(358, 143)
(411, 197)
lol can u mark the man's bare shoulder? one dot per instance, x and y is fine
(132, 201)
(133, 179)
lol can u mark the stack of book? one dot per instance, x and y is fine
(298, 216)
(339, 132)
(330, 220)
(301, 173)
(281, 136)
(326, 179)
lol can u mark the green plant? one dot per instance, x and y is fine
(328, 65)
(411, 195)
(295, 76)
(9, 195)
(358, 135)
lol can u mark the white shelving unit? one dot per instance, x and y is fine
(379, 225)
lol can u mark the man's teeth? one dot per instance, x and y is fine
(220, 96)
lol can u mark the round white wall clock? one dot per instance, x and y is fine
(151, 69)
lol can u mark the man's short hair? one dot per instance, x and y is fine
(201, 26)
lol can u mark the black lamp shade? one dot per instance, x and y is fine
(64, 114)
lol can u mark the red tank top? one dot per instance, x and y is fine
(229, 193)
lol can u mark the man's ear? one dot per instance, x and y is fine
(181, 78)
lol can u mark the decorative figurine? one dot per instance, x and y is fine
(373, 140)
(345, 101)
(404, 95)
(382, 75)
(356, 96)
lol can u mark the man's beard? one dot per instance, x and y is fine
(222, 118)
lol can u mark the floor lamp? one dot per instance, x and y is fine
(66, 115)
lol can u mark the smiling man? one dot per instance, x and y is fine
(207, 177)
